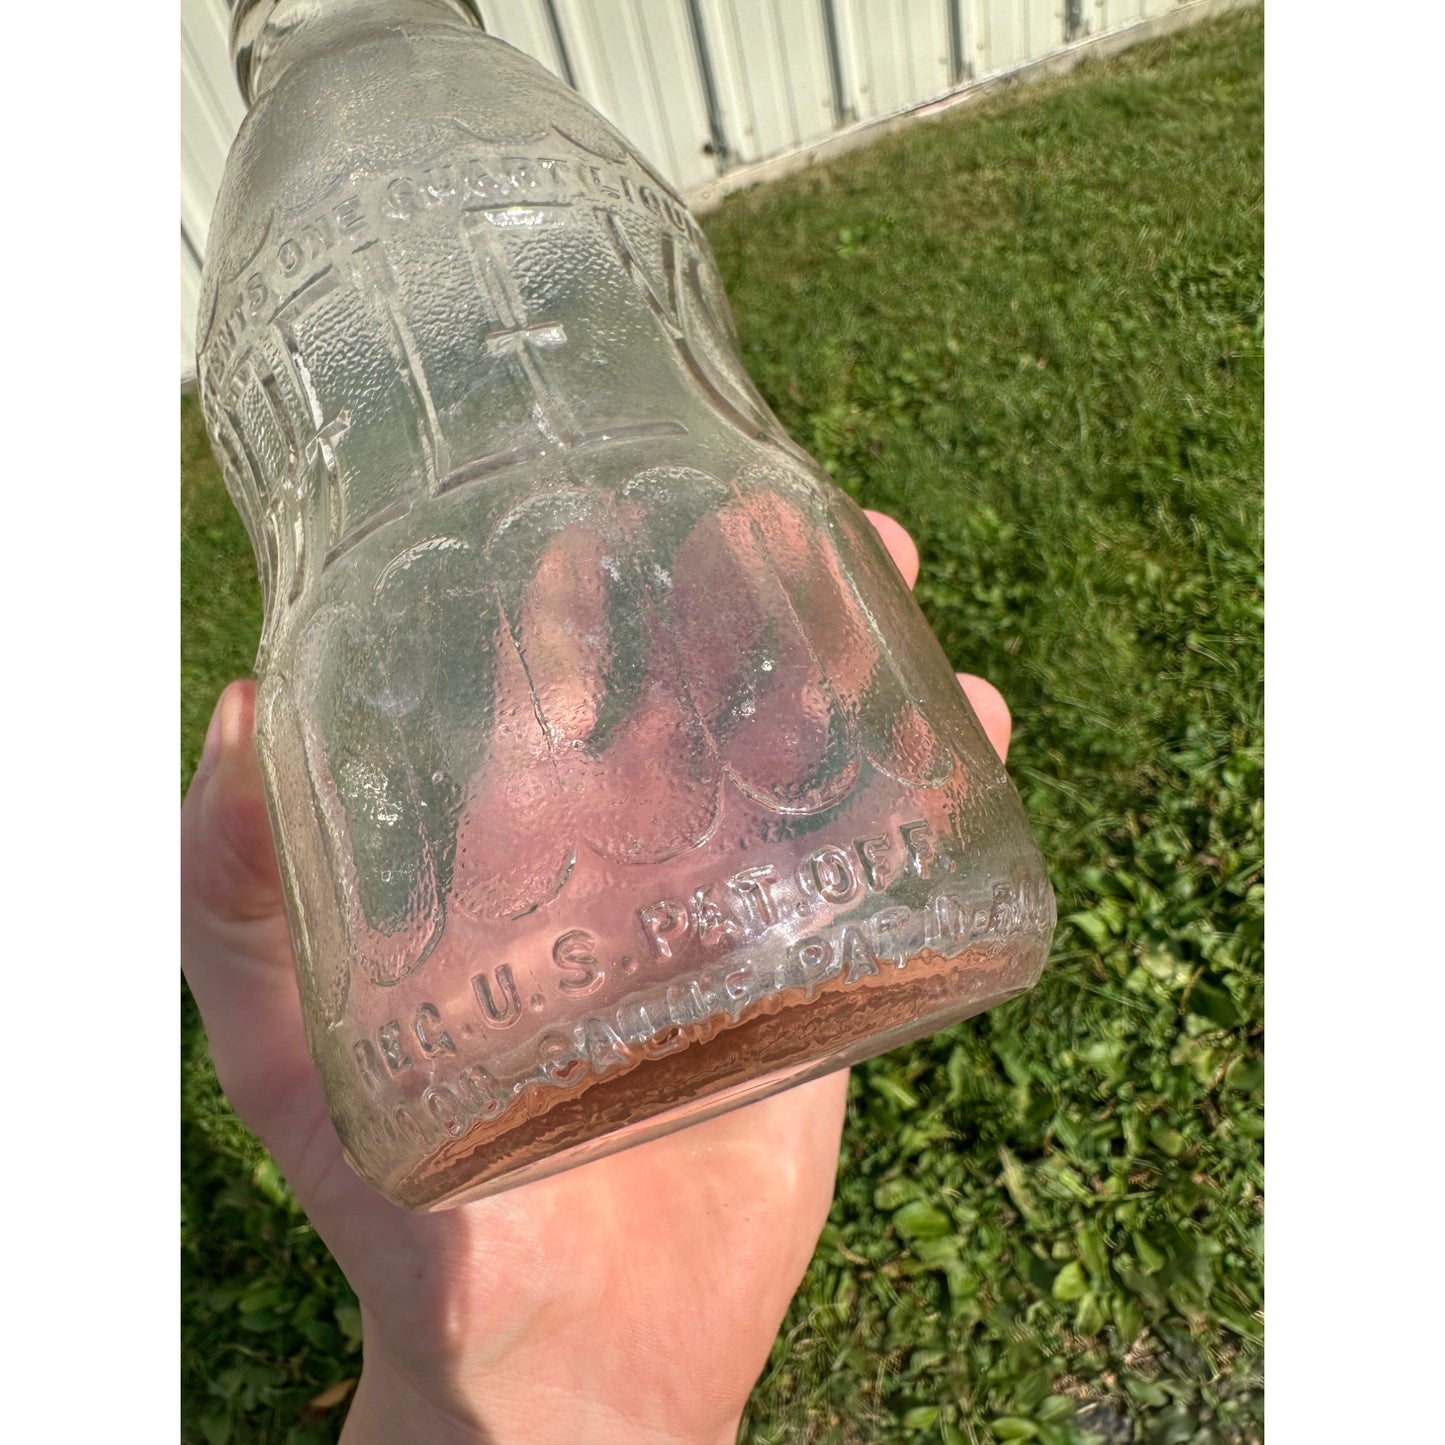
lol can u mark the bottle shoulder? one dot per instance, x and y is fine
(394, 102)
(389, 315)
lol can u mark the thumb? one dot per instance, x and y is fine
(235, 950)
(228, 863)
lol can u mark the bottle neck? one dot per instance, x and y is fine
(267, 35)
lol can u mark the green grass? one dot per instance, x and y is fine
(1034, 332)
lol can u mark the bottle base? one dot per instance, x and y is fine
(733, 1065)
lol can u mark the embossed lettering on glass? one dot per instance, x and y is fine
(615, 775)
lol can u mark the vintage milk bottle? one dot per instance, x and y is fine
(616, 777)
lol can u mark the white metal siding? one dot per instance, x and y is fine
(770, 58)
(780, 75)
(899, 52)
(636, 62)
(1043, 26)
(1110, 14)
(1115, 14)
(524, 23)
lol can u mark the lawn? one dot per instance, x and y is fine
(1032, 331)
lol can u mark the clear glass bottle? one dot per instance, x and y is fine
(616, 777)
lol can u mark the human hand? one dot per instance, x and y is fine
(630, 1300)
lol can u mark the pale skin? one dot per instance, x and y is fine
(629, 1301)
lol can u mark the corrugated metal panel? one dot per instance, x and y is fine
(774, 82)
(636, 62)
(528, 25)
(1007, 33)
(1116, 13)
(998, 36)
(1106, 15)
(1046, 26)
(898, 52)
